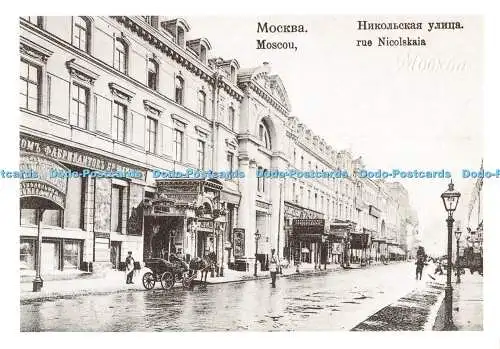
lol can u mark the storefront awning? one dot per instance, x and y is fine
(396, 250)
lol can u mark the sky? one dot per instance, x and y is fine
(398, 107)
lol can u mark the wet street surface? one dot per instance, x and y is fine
(331, 301)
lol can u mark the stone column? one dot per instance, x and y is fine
(246, 210)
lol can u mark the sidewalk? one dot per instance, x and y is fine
(415, 311)
(467, 304)
(114, 282)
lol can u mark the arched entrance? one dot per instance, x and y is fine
(40, 193)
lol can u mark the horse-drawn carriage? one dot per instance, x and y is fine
(165, 272)
(174, 270)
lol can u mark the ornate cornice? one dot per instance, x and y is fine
(29, 48)
(176, 53)
(121, 92)
(153, 108)
(80, 72)
(180, 119)
(264, 94)
(202, 131)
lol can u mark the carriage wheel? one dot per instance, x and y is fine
(167, 280)
(148, 280)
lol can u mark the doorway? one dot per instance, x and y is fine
(50, 256)
(115, 253)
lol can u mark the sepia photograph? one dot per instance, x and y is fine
(250, 173)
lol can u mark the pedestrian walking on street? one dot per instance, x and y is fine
(438, 269)
(273, 267)
(129, 270)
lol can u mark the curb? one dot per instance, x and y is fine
(427, 325)
(433, 313)
(31, 297)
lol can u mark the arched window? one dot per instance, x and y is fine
(179, 90)
(81, 33)
(121, 56)
(202, 106)
(152, 74)
(264, 136)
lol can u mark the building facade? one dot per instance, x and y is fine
(139, 96)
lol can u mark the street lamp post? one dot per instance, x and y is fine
(450, 201)
(38, 281)
(257, 237)
(458, 233)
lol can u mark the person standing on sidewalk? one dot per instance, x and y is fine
(129, 267)
(273, 267)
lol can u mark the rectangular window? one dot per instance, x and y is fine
(230, 159)
(50, 217)
(152, 79)
(116, 208)
(80, 34)
(152, 132)
(72, 254)
(202, 103)
(36, 20)
(178, 145)
(30, 79)
(201, 155)
(80, 105)
(231, 118)
(119, 115)
(294, 198)
(260, 181)
(27, 254)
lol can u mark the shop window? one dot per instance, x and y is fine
(72, 254)
(116, 208)
(50, 217)
(27, 254)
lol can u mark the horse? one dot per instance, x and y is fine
(204, 265)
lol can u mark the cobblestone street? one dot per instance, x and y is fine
(331, 301)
